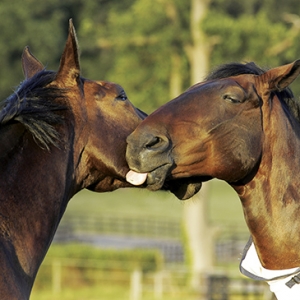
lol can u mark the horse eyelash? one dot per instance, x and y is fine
(227, 97)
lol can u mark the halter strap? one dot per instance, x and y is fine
(294, 280)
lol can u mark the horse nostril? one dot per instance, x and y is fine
(156, 143)
(153, 142)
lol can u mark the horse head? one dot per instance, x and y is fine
(100, 117)
(215, 129)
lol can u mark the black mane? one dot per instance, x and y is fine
(235, 69)
(35, 105)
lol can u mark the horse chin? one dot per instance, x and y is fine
(156, 178)
(183, 189)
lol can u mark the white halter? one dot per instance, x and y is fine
(283, 283)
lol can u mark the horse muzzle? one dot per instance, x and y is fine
(150, 159)
(149, 154)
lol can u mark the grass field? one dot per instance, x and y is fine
(107, 292)
(223, 205)
(119, 293)
(223, 208)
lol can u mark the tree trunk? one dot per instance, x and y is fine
(198, 52)
(175, 76)
(198, 232)
(199, 236)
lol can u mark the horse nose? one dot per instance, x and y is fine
(147, 151)
(146, 145)
(148, 141)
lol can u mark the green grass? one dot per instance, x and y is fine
(126, 202)
(110, 291)
(83, 293)
(106, 292)
(224, 206)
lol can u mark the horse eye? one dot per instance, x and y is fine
(122, 96)
(231, 99)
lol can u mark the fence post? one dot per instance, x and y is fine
(158, 284)
(136, 285)
(56, 276)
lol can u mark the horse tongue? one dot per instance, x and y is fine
(136, 178)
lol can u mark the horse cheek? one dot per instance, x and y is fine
(249, 158)
(235, 159)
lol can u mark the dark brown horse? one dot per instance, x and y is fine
(241, 125)
(59, 133)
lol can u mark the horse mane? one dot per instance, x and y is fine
(34, 104)
(235, 69)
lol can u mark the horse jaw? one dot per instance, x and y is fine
(184, 190)
(181, 188)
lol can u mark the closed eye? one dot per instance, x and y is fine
(231, 99)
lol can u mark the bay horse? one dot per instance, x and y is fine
(241, 125)
(59, 133)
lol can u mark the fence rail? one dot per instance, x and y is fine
(130, 226)
(159, 284)
(133, 226)
(132, 232)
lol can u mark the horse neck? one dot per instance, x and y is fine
(271, 200)
(35, 187)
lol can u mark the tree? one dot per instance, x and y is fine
(198, 231)
(40, 25)
(139, 43)
(266, 32)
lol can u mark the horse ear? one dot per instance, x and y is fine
(69, 68)
(30, 64)
(281, 77)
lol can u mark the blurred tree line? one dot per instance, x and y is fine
(144, 45)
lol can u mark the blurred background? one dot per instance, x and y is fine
(133, 244)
